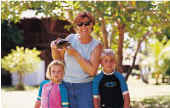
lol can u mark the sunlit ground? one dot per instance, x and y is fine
(139, 90)
(150, 96)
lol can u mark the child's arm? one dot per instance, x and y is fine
(126, 100)
(124, 89)
(38, 100)
(96, 101)
(95, 89)
(37, 104)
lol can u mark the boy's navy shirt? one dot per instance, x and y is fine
(110, 88)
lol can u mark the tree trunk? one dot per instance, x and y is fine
(157, 78)
(103, 28)
(20, 85)
(49, 25)
(121, 28)
(112, 36)
(105, 34)
(52, 25)
(135, 55)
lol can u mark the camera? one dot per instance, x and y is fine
(62, 43)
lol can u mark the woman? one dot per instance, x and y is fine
(81, 62)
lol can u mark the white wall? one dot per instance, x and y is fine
(34, 78)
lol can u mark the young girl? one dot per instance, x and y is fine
(52, 93)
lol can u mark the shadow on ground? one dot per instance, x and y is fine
(155, 102)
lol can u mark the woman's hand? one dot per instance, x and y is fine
(57, 54)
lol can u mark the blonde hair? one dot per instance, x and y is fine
(54, 62)
(107, 52)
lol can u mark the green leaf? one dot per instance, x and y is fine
(21, 60)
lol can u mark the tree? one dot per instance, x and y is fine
(11, 36)
(21, 61)
(158, 58)
(138, 19)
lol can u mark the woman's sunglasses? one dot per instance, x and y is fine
(84, 23)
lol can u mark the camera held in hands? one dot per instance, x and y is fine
(62, 43)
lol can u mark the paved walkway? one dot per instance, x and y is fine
(18, 99)
(137, 89)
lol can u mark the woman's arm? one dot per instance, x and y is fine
(126, 100)
(89, 66)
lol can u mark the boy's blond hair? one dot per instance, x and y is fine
(54, 62)
(107, 52)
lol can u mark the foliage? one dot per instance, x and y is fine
(21, 61)
(137, 17)
(154, 102)
(158, 57)
(10, 33)
(168, 71)
(12, 10)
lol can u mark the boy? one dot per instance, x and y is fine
(109, 87)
